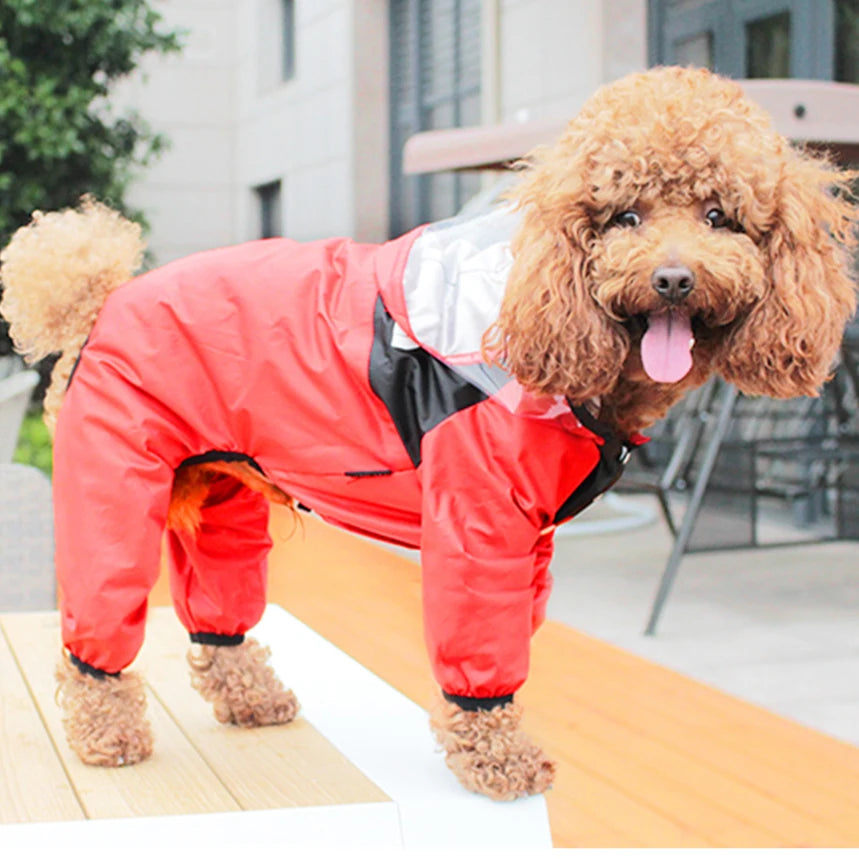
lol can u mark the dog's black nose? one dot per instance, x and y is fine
(673, 282)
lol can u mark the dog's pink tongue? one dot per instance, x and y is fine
(666, 348)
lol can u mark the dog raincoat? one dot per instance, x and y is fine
(351, 375)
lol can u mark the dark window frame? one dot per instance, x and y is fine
(812, 39)
(415, 99)
(287, 12)
(269, 197)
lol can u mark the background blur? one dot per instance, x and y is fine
(289, 116)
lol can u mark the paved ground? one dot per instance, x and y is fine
(777, 627)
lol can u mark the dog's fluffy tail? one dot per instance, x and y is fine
(57, 272)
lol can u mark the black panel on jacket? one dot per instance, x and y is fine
(614, 454)
(419, 390)
(465, 702)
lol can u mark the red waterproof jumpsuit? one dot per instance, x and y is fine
(350, 374)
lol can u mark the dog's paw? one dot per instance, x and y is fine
(488, 752)
(241, 686)
(104, 718)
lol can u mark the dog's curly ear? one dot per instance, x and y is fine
(550, 333)
(787, 345)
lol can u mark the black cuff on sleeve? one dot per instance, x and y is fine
(217, 640)
(472, 704)
(86, 668)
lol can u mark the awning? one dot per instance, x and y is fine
(820, 113)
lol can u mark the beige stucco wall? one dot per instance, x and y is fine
(552, 54)
(324, 134)
(233, 125)
(188, 195)
(298, 131)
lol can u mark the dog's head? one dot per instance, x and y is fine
(672, 233)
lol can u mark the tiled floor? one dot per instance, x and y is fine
(776, 627)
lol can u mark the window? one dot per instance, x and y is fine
(768, 47)
(276, 42)
(697, 50)
(270, 210)
(435, 83)
(287, 15)
(847, 41)
(759, 38)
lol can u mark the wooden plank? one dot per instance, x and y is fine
(380, 625)
(33, 785)
(678, 723)
(767, 797)
(723, 810)
(363, 598)
(664, 793)
(634, 718)
(643, 752)
(279, 766)
(775, 740)
(601, 805)
(175, 780)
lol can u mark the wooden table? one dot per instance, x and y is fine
(195, 760)
(647, 758)
(358, 767)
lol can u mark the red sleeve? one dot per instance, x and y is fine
(492, 483)
(114, 452)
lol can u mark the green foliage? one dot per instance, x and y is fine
(60, 138)
(34, 443)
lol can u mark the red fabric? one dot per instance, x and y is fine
(491, 489)
(218, 576)
(263, 349)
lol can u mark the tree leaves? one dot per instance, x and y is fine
(58, 139)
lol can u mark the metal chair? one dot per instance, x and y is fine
(747, 452)
(665, 463)
(27, 581)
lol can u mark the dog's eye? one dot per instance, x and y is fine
(629, 218)
(717, 219)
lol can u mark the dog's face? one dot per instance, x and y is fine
(672, 233)
(676, 277)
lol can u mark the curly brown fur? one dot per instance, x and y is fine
(488, 752)
(191, 488)
(241, 685)
(57, 273)
(770, 301)
(104, 718)
(771, 298)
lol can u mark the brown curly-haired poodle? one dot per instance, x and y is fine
(463, 389)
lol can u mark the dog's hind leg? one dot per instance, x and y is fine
(218, 583)
(103, 715)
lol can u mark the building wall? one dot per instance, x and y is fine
(298, 131)
(370, 120)
(624, 38)
(188, 195)
(552, 54)
(324, 134)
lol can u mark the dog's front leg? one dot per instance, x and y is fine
(103, 715)
(240, 684)
(489, 753)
